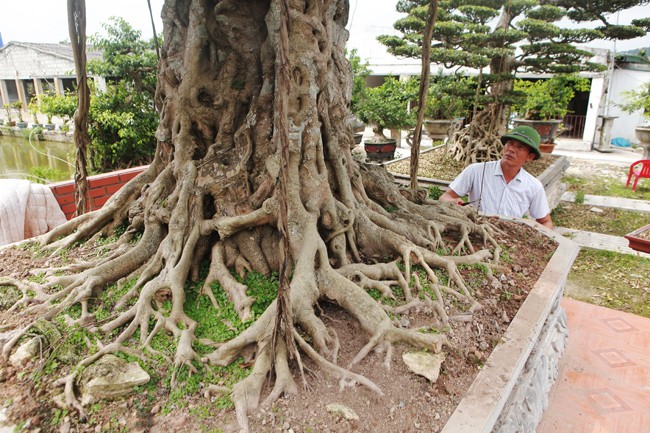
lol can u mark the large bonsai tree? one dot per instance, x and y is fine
(500, 38)
(253, 172)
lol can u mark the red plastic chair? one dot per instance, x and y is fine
(638, 170)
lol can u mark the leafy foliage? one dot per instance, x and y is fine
(505, 37)
(386, 106)
(57, 105)
(122, 119)
(548, 98)
(360, 71)
(637, 99)
(450, 96)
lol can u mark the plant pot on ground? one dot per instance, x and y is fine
(447, 104)
(386, 107)
(639, 240)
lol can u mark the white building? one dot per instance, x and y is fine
(27, 70)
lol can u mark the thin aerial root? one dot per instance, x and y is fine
(283, 379)
(334, 369)
(68, 390)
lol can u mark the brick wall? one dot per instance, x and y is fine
(100, 188)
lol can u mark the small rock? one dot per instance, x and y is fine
(424, 364)
(65, 427)
(25, 353)
(342, 410)
(596, 210)
(110, 378)
(504, 317)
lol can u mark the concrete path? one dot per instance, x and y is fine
(581, 150)
(603, 241)
(600, 241)
(615, 202)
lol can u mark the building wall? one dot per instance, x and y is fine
(623, 80)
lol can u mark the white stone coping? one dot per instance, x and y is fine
(479, 410)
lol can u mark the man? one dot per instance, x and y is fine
(503, 187)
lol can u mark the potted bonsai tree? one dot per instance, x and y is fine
(9, 122)
(639, 100)
(448, 103)
(387, 106)
(62, 106)
(544, 104)
(18, 106)
(33, 110)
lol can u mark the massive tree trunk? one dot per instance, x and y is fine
(212, 194)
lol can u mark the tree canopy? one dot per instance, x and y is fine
(499, 38)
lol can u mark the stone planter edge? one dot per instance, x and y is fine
(502, 386)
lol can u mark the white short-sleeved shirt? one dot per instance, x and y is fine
(523, 195)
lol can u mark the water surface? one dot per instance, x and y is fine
(18, 156)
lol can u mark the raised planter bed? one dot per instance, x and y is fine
(639, 240)
(510, 393)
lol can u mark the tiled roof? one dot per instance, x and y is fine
(57, 50)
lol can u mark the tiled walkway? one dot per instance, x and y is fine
(604, 379)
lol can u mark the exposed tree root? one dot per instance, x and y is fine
(479, 141)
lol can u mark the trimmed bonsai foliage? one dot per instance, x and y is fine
(386, 106)
(450, 96)
(548, 99)
(62, 106)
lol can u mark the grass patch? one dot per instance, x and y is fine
(612, 280)
(608, 186)
(615, 222)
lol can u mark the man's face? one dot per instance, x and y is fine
(516, 153)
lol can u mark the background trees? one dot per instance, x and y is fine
(122, 118)
(499, 38)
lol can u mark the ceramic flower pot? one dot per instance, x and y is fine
(640, 239)
(547, 129)
(380, 151)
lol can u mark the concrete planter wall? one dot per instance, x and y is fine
(510, 393)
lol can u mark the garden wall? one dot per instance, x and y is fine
(100, 188)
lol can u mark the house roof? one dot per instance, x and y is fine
(63, 51)
(27, 60)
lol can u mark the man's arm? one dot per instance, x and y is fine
(546, 221)
(450, 196)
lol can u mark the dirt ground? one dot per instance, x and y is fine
(409, 403)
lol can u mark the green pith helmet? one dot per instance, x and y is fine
(526, 135)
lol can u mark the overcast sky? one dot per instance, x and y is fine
(46, 21)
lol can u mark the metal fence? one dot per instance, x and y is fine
(573, 126)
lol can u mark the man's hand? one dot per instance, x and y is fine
(451, 197)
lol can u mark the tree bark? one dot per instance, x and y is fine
(424, 90)
(77, 30)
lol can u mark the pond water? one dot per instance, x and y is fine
(18, 156)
